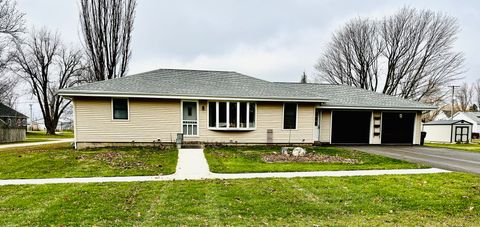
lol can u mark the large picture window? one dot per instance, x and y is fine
(120, 109)
(231, 115)
(290, 116)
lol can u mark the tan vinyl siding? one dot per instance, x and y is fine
(269, 116)
(326, 126)
(418, 128)
(148, 120)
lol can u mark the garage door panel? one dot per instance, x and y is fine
(398, 127)
(351, 127)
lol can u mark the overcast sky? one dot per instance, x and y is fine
(270, 39)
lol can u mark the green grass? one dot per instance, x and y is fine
(60, 160)
(451, 199)
(472, 147)
(44, 135)
(41, 136)
(249, 159)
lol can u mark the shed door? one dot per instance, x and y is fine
(351, 127)
(398, 127)
(461, 134)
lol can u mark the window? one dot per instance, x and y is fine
(231, 115)
(212, 115)
(251, 115)
(120, 109)
(290, 116)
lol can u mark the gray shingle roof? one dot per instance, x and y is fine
(227, 84)
(348, 96)
(474, 116)
(447, 122)
(6, 111)
(193, 83)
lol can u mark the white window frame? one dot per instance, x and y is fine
(113, 110)
(198, 118)
(228, 128)
(283, 116)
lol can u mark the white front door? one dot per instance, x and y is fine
(189, 118)
(316, 133)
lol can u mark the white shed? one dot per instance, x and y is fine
(448, 131)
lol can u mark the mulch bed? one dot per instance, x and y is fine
(308, 158)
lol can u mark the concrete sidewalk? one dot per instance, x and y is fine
(192, 165)
(54, 141)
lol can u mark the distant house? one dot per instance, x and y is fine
(13, 125)
(443, 115)
(448, 131)
(230, 107)
(472, 117)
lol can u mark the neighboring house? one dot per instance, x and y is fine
(472, 117)
(448, 131)
(13, 125)
(443, 115)
(229, 107)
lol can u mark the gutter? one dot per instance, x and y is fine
(68, 94)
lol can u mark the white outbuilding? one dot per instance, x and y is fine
(448, 131)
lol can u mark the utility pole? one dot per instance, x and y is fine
(453, 100)
(31, 117)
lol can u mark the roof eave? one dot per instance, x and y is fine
(377, 108)
(162, 96)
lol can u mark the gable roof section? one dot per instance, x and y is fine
(342, 96)
(475, 116)
(228, 85)
(448, 122)
(199, 84)
(6, 111)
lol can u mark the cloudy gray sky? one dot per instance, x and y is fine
(274, 40)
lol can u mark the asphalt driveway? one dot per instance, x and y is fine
(436, 157)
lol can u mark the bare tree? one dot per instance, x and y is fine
(11, 25)
(304, 78)
(107, 26)
(477, 91)
(47, 65)
(414, 50)
(352, 56)
(464, 97)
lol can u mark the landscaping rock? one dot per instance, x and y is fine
(298, 151)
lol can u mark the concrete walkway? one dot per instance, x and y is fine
(192, 165)
(13, 145)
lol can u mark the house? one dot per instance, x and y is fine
(13, 125)
(229, 107)
(443, 115)
(472, 117)
(448, 131)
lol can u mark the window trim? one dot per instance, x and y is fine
(113, 110)
(283, 117)
(228, 128)
(198, 118)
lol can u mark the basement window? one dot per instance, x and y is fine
(234, 116)
(120, 109)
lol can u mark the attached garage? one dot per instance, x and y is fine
(351, 127)
(398, 127)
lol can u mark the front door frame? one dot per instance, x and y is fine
(461, 134)
(197, 121)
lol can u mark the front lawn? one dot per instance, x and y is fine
(60, 160)
(249, 159)
(473, 147)
(450, 199)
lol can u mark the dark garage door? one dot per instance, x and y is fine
(351, 127)
(397, 127)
